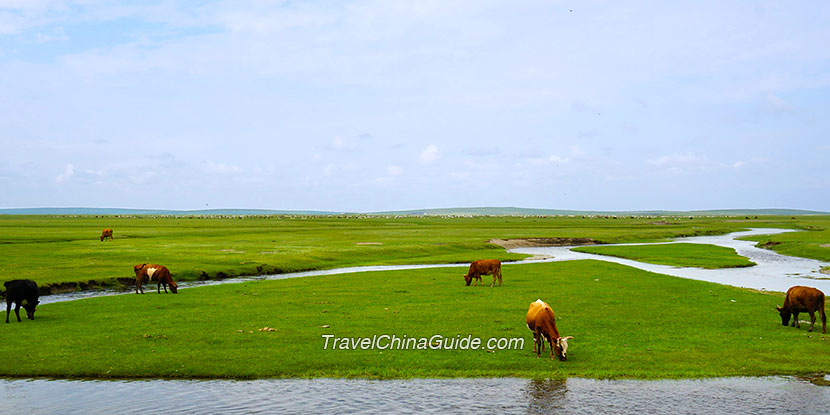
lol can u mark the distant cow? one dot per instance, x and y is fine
(154, 272)
(21, 293)
(484, 267)
(803, 299)
(541, 321)
(107, 233)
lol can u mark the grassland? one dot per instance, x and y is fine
(65, 252)
(626, 323)
(676, 254)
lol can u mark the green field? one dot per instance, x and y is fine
(676, 254)
(626, 323)
(65, 252)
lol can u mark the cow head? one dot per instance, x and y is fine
(468, 278)
(560, 348)
(174, 287)
(138, 268)
(30, 309)
(785, 315)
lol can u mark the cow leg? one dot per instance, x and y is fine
(8, 309)
(499, 271)
(17, 311)
(796, 323)
(812, 320)
(823, 320)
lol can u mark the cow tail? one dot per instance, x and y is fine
(821, 309)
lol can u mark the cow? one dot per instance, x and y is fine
(484, 267)
(107, 233)
(21, 293)
(542, 323)
(154, 272)
(803, 299)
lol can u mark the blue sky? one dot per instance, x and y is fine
(372, 105)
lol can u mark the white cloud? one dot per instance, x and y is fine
(557, 159)
(430, 154)
(394, 170)
(222, 168)
(739, 165)
(67, 174)
(686, 158)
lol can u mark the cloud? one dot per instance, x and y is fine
(430, 154)
(686, 158)
(394, 170)
(773, 104)
(67, 174)
(739, 165)
(222, 168)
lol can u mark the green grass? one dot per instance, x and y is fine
(676, 254)
(66, 250)
(813, 244)
(626, 323)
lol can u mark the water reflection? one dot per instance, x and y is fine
(546, 395)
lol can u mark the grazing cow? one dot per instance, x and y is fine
(107, 233)
(541, 321)
(21, 293)
(154, 272)
(484, 267)
(803, 299)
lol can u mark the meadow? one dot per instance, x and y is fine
(626, 323)
(65, 252)
(676, 254)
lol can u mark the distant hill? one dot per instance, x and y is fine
(499, 211)
(470, 211)
(121, 211)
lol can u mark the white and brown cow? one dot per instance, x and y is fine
(154, 272)
(541, 321)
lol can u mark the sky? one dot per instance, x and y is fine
(375, 105)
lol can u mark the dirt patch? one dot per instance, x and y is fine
(541, 242)
(768, 245)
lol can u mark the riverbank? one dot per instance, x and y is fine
(626, 323)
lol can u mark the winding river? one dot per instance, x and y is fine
(767, 395)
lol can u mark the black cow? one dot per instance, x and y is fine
(21, 292)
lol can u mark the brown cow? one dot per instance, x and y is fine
(107, 233)
(803, 299)
(484, 267)
(541, 321)
(154, 272)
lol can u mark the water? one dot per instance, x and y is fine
(770, 395)
(773, 272)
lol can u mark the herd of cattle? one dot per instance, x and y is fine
(540, 318)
